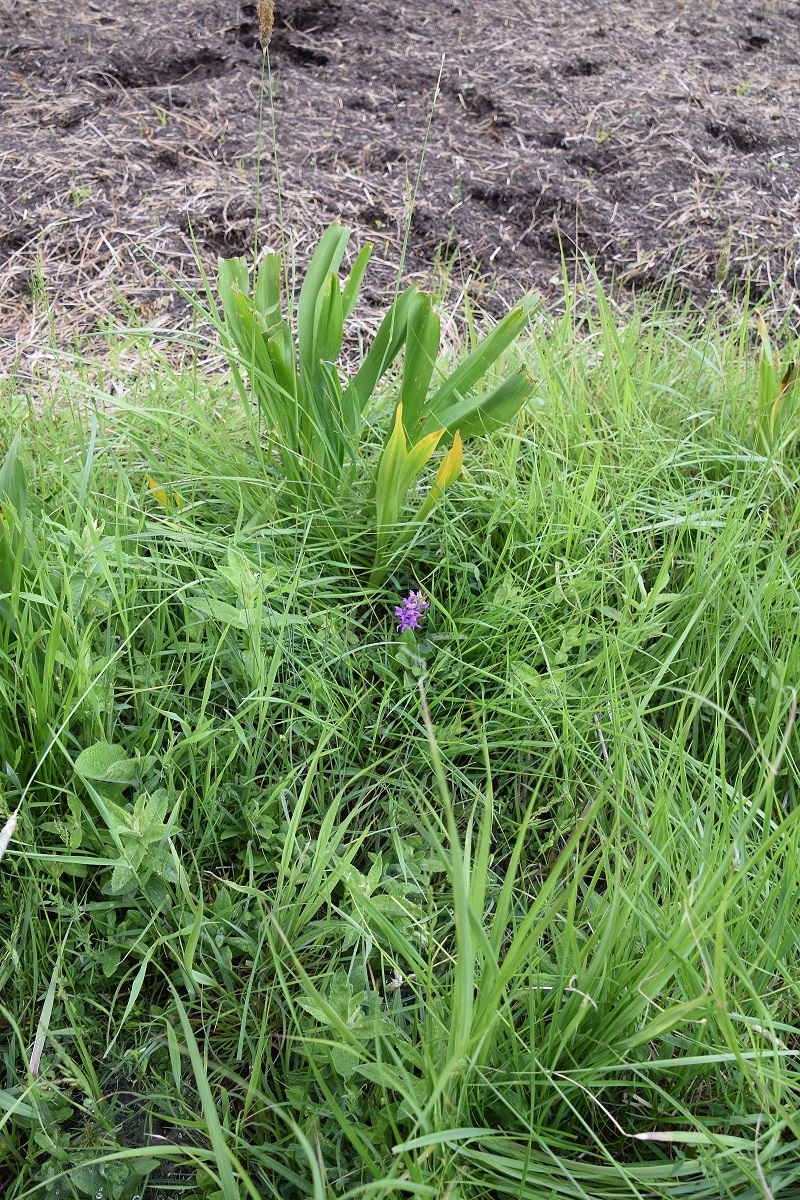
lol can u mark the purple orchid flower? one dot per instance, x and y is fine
(409, 612)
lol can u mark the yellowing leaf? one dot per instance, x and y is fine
(416, 460)
(451, 464)
(448, 472)
(158, 493)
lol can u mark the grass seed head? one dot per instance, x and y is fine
(723, 264)
(266, 19)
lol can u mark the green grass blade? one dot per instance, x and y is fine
(222, 1157)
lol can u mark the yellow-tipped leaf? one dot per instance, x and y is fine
(158, 493)
(451, 464)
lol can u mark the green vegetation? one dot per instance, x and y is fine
(315, 423)
(504, 906)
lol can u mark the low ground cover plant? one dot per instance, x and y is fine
(481, 881)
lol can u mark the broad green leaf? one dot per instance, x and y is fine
(267, 295)
(271, 372)
(238, 618)
(781, 406)
(786, 392)
(285, 389)
(384, 1075)
(384, 349)
(106, 763)
(109, 960)
(86, 1179)
(233, 275)
(353, 282)
(422, 349)
(232, 279)
(766, 342)
(350, 411)
(13, 508)
(476, 364)
(325, 440)
(315, 418)
(389, 469)
(329, 321)
(767, 384)
(326, 259)
(322, 431)
(218, 610)
(483, 414)
(777, 382)
(13, 486)
(281, 335)
(143, 1166)
(249, 338)
(329, 387)
(123, 879)
(149, 812)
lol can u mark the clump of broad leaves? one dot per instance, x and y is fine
(316, 413)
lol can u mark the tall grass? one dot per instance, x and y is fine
(511, 913)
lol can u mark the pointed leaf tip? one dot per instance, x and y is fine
(157, 492)
(451, 464)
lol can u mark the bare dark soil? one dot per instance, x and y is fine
(646, 133)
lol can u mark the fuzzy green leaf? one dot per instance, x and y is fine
(105, 763)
